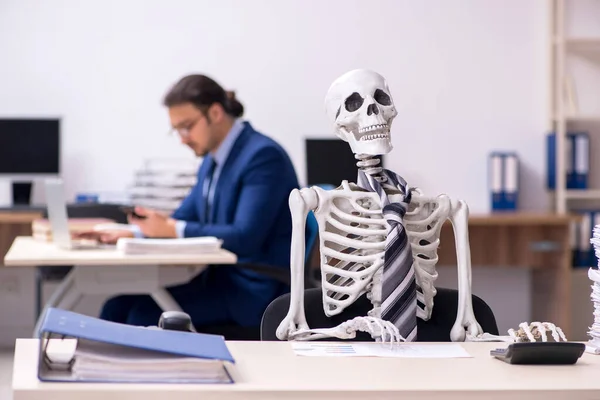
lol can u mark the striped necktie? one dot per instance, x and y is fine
(399, 289)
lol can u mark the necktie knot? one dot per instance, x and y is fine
(211, 166)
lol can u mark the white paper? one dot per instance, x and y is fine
(401, 350)
(591, 349)
(192, 245)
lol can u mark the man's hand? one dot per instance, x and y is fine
(154, 224)
(106, 236)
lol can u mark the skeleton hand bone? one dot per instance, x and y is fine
(383, 331)
(536, 331)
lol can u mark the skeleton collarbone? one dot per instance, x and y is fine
(353, 232)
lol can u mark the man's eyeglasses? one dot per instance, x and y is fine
(184, 132)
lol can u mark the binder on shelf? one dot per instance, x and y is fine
(80, 348)
(511, 181)
(582, 160)
(583, 253)
(576, 160)
(496, 180)
(504, 180)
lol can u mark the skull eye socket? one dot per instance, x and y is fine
(354, 102)
(382, 98)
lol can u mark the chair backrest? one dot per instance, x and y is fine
(436, 329)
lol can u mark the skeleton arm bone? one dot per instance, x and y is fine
(300, 203)
(527, 332)
(459, 217)
(383, 331)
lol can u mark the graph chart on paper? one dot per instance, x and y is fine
(402, 350)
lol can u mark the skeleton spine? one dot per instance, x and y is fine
(369, 164)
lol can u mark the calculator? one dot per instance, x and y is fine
(541, 353)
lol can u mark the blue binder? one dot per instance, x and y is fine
(577, 154)
(150, 342)
(583, 251)
(581, 156)
(504, 180)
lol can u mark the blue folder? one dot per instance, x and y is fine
(577, 155)
(504, 180)
(584, 255)
(59, 324)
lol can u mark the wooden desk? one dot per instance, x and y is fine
(12, 224)
(537, 241)
(107, 271)
(271, 370)
(26, 251)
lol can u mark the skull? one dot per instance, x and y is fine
(362, 110)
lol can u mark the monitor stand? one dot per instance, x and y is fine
(21, 193)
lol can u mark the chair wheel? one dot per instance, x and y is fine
(176, 321)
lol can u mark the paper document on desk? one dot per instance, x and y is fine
(402, 350)
(196, 245)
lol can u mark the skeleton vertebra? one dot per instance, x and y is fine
(353, 232)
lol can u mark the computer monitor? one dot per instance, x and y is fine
(29, 151)
(330, 161)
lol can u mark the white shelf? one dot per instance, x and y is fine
(587, 45)
(581, 118)
(588, 194)
(566, 53)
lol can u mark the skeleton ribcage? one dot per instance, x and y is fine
(423, 223)
(353, 232)
(352, 248)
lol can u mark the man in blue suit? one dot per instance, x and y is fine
(241, 197)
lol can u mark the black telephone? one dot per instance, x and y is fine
(130, 210)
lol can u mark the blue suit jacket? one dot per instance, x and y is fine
(250, 213)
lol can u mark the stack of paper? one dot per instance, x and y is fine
(97, 361)
(197, 245)
(163, 183)
(594, 275)
(100, 361)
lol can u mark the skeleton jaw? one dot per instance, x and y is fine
(371, 139)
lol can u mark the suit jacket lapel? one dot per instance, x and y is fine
(229, 165)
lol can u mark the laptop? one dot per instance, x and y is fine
(56, 204)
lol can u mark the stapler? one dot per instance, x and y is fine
(176, 321)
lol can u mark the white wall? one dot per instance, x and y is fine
(468, 77)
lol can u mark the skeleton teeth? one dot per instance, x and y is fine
(374, 136)
(372, 128)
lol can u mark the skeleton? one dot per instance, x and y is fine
(350, 217)
(362, 107)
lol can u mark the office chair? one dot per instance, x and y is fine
(437, 329)
(76, 210)
(235, 332)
